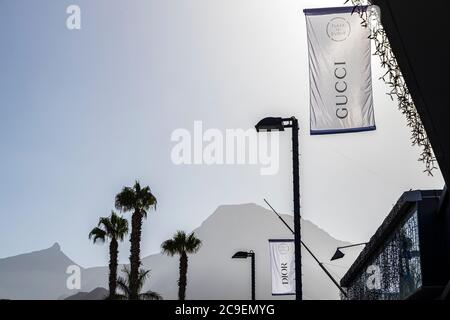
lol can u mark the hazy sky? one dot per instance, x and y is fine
(83, 113)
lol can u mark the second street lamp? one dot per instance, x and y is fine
(279, 124)
(339, 254)
(245, 255)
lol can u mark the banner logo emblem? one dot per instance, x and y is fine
(338, 29)
(283, 248)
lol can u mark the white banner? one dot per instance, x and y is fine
(340, 74)
(282, 263)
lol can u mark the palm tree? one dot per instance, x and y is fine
(182, 244)
(124, 285)
(139, 201)
(114, 228)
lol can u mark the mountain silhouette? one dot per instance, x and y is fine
(96, 294)
(212, 274)
(35, 275)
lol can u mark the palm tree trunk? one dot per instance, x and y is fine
(183, 276)
(135, 250)
(113, 252)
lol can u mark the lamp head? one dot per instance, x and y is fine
(270, 124)
(240, 255)
(337, 255)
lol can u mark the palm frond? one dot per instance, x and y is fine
(136, 199)
(106, 224)
(180, 243)
(123, 284)
(193, 244)
(169, 247)
(121, 297)
(126, 199)
(142, 276)
(112, 227)
(97, 234)
(150, 295)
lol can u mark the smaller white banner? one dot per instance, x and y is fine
(282, 262)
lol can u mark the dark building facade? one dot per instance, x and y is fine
(408, 256)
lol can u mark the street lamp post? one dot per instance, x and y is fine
(278, 124)
(245, 255)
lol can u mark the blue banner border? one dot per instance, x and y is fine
(346, 130)
(332, 10)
